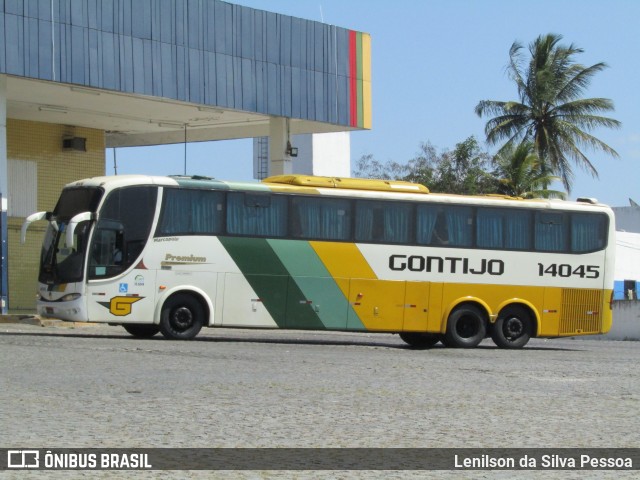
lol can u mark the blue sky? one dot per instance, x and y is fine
(432, 61)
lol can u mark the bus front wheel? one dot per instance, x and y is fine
(182, 317)
(419, 340)
(466, 327)
(512, 328)
(141, 330)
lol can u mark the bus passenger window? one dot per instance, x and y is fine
(426, 217)
(550, 232)
(588, 232)
(503, 228)
(321, 218)
(383, 222)
(190, 212)
(259, 214)
(459, 226)
(440, 232)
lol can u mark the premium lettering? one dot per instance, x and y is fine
(184, 258)
(432, 264)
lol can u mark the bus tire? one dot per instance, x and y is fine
(513, 328)
(419, 340)
(182, 317)
(466, 327)
(141, 330)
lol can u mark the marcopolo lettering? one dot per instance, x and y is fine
(429, 264)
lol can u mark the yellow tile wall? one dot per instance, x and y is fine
(42, 142)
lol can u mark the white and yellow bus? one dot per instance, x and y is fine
(174, 254)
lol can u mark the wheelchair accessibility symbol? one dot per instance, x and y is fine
(124, 288)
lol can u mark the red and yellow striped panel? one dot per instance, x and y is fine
(360, 79)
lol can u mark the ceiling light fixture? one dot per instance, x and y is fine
(52, 108)
(210, 109)
(84, 90)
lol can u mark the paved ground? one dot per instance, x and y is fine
(96, 386)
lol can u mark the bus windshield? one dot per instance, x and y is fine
(62, 263)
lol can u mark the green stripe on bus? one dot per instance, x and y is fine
(320, 290)
(200, 182)
(272, 282)
(250, 186)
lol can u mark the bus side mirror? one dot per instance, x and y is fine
(34, 217)
(73, 223)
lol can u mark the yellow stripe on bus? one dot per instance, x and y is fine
(343, 260)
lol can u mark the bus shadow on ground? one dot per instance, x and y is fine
(339, 341)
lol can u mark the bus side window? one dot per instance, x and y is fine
(459, 226)
(260, 214)
(503, 228)
(191, 212)
(383, 222)
(441, 231)
(583, 226)
(550, 232)
(426, 218)
(320, 218)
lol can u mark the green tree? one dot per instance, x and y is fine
(463, 170)
(550, 111)
(368, 167)
(518, 173)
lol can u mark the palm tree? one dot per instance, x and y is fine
(551, 112)
(518, 173)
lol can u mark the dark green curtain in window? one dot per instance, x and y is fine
(550, 233)
(459, 225)
(264, 217)
(587, 232)
(321, 218)
(503, 228)
(425, 223)
(383, 222)
(489, 228)
(191, 212)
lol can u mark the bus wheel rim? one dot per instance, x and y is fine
(513, 328)
(182, 318)
(467, 327)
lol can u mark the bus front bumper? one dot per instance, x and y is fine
(72, 311)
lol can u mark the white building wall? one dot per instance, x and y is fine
(323, 154)
(303, 163)
(626, 313)
(331, 154)
(626, 322)
(627, 256)
(627, 218)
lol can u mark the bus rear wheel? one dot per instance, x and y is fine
(512, 328)
(141, 330)
(419, 340)
(182, 317)
(466, 327)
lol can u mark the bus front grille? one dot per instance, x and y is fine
(581, 311)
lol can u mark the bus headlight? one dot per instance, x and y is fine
(70, 297)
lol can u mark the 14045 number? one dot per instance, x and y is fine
(565, 270)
